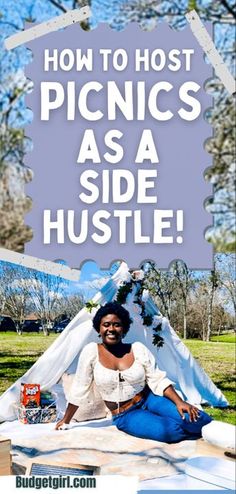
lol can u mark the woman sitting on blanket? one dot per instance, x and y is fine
(141, 398)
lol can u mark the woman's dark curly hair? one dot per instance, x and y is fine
(113, 308)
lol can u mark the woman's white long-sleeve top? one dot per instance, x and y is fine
(114, 385)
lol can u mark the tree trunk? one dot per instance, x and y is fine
(209, 319)
(185, 327)
(204, 332)
(46, 330)
(169, 309)
(210, 306)
(185, 319)
(18, 328)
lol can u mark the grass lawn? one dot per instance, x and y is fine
(218, 360)
(18, 353)
(225, 338)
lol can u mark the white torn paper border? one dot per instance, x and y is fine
(47, 27)
(210, 50)
(49, 267)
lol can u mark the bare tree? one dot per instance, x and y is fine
(198, 315)
(226, 269)
(197, 312)
(174, 11)
(222, 320)
(213, 284)
(71, 305)
(13, 143)
(201, 301)
(184, 282)
(13, 174)
(15, 294)
(46, 295)
(222, 174)
(161, 285)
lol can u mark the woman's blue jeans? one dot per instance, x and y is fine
(156, 417)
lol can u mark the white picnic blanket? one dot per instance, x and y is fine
(159, 466)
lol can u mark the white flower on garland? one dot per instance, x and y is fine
(137, 275)
(145, 295)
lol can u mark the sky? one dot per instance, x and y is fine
(91, 279)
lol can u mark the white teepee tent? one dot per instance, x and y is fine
(63, 354)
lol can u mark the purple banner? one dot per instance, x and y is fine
(118, 157)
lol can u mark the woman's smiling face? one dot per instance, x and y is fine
(111, 329)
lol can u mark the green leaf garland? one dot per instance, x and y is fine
(121, 298)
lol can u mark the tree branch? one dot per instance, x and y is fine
(229, 8)
(59, 6)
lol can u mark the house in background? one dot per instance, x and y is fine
(30, 324)
(7, 323)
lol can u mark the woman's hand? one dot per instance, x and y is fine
(193, 411)
(182, 406)
(61, 425)
(70, 411)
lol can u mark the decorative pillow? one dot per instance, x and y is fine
(96, 410)
(220, 434)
